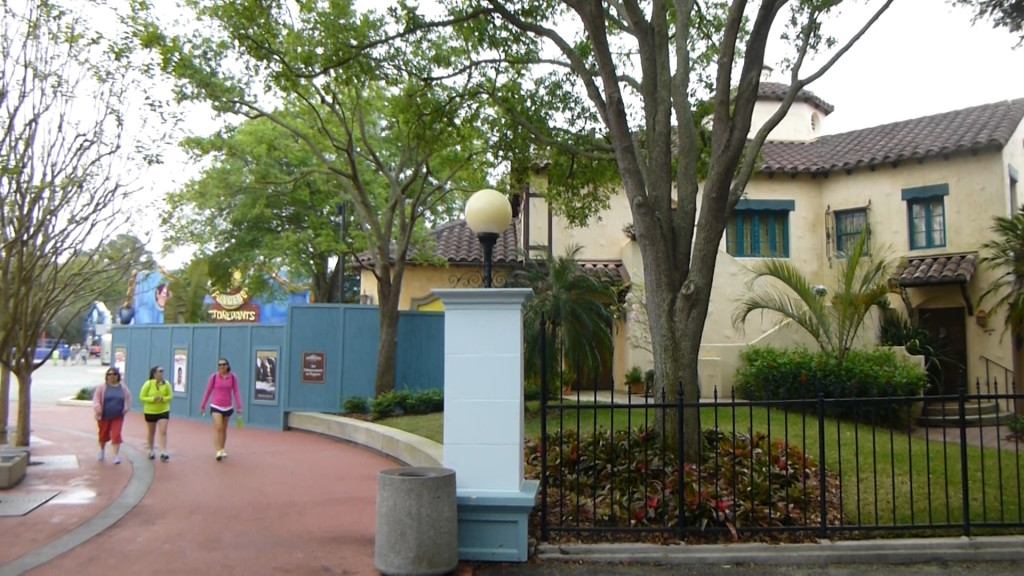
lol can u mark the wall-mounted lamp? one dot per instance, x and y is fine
(981, 317)
(488, 214)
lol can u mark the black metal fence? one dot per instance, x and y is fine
(778, 468)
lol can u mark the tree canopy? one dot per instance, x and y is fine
(395, 135)
(64, 96)
(263, 207)
(1007, 14)
(666, 90)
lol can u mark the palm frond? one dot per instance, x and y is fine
(834, 320)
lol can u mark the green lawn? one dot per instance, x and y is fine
(889, 478)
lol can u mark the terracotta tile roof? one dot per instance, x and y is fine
(942, 269)
(777, 91)
(985, 127)
(607, 271)
(457, 244)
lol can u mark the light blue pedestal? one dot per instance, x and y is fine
(493, 525)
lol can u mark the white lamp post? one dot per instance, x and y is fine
(488, 214)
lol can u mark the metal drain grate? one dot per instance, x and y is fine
(60, 462)
(20, 505)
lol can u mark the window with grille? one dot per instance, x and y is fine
(758, 233)
(850, 224)
(926, 215)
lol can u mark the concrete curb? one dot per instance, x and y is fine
(892, 551)
(402, 446)
(70, 401)
(133, 493)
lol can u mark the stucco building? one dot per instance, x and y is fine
(928, 188)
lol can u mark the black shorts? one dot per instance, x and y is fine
(157, 417)
(226, 413)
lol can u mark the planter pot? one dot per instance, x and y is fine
(637, 388)
(12, 468)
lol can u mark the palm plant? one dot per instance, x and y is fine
(1005, 253)
(576, 312)
(189, 288)
(861, 284)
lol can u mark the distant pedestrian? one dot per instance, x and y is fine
(221, 388)
(110, 403)
(156, 396)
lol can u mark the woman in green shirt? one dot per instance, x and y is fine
(156, 396)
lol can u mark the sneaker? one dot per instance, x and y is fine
(102, 455)
(220, 455)
(165, 457)
(223, 453)
(117, 459)
(152, 455)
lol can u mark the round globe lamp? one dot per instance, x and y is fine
(488, 214)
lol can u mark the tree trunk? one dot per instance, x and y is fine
(388, 352)
(387, 299)
(5, 401)
(675, 371)
(24, 403)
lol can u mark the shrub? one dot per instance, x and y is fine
(531, 392)
(635, 374)
(85, 393)
(355, 405)
(799, 374)
(406, 403)
(425, 402)
(626, 478)
(384, 406)
(1015, 428)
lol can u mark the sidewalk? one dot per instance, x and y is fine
(298, 503)
(282, 503)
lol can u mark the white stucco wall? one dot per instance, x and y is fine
(803, 121)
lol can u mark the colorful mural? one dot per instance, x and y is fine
(152, 291)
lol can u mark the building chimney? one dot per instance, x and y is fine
(766, 73)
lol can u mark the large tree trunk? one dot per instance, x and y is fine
(677, 324)
(388, 291)
(24, 403)
(5, 401)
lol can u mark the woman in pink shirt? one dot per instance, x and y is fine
(220, 390)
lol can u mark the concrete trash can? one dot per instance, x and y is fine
(417, 522)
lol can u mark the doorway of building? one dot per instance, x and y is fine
(947, 328)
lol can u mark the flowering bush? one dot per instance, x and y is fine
(626, 478)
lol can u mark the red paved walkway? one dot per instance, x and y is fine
(282, 503)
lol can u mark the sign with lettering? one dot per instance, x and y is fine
(234, 307)
(314, 367)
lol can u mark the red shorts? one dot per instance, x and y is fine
(110, 430)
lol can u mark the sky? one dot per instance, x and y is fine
(922, 57)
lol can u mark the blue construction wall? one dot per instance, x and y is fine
(350, 336)
(148, 346)
(346, 337)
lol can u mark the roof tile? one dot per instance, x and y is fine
(777, 91)
(941, 269)
(984, 127)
